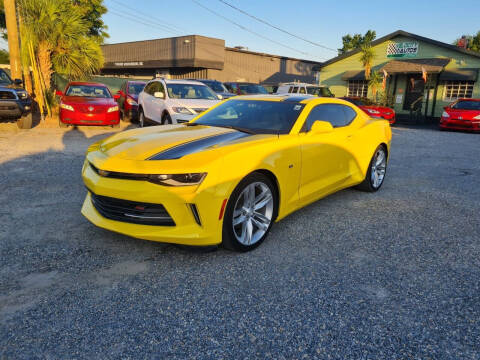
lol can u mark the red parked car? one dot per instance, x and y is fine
(463, 114)
(372, 109)
(85, 103)
(128, 98)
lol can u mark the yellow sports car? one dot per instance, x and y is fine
(227, 175)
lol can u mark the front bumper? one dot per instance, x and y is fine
(79, 118)
(181, 118)
(14, 109)
(176, 201)
(463, 125)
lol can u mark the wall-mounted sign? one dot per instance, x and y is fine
(398, 99)
(403, 49)
(132, 63)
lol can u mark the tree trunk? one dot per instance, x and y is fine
(44, 53)
(28, 79)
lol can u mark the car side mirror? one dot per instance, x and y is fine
(321, 127)
(116, 96)
(159, 94)
(220, 97)
(59, 93)
(18, 82)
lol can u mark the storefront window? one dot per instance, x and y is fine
(454, 90)
(357, 88)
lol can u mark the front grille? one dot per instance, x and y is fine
(131, 211)
(86, 109)
(119, 175)
(7, 95)
(8, 107)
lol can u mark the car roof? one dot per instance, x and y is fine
(86, 83)
(181, 81)
(136, 81)
(466, 99)
(300, 84)
(296, 98)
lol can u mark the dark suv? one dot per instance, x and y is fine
(15, 103)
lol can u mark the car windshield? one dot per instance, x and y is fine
(260, 117)
(467, 105)
(135, 88)
(319, 91)
(88, 91)
(4, 78)
(216, 86)
(190, 91)
(252, 89)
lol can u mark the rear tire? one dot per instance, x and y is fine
(250, 213)
(25, 122)
(377, 170)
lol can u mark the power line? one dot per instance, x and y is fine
(149, 16)
(138, 21)
(276, 27)
(248, 30)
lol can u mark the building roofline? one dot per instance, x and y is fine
(406, 34)
(270, 55)
(169, 38)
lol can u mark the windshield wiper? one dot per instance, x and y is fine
(247, 131)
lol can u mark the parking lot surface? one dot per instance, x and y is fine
(389, 275)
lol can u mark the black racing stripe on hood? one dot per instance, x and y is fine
(197, 145)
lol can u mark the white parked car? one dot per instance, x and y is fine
(304, 88)
(165, 101)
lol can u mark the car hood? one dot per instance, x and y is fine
(193, 103)
(88, 100)
(463, 114)
(169, 142)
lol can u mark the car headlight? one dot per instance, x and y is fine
(66, 107)
(112, 109)
(477, 117)
(22, 94)
(181, 110)
(131, 101)
(371, 111)
(178, 179)
(445, 114)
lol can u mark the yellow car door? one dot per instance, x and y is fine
(326, 152)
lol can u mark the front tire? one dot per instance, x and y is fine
(250, 213)
(376, 171)
(61, 124)
(25, 122)
(141, 118)
(166, 119)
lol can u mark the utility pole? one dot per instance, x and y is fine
(13, 46)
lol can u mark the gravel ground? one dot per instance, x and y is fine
(390, 275)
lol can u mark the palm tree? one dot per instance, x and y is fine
(366, 58)
(60, 37)
(375, 82)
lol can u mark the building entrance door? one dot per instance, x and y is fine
(415, 87)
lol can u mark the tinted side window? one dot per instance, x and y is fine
(336, 114)
(148, 88)
(350, 114)
(302, 90)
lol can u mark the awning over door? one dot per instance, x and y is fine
(353, 75)
(459, 74)
(415, 66)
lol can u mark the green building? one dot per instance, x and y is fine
(452, 73)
